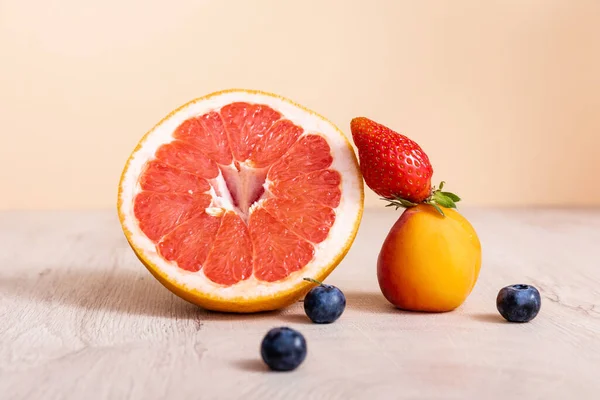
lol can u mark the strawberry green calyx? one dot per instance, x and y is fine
(436, 199)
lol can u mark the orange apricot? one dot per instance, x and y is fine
(429, 262)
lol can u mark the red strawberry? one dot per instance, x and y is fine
(392, 164)
(395, 167)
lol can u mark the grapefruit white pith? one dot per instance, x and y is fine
(235, 197)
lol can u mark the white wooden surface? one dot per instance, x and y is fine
(80, 318)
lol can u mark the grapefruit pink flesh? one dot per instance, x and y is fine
(240, 192)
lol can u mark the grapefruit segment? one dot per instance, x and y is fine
(234, 118)
(311, 221)
(186, 157)
(160, 177)
(207, 133)
(277, 251)
(230, 259)
(310, 153)
(245, 125)
(233, 198)
(159, 213)
(189, 243)
(271, 145)
(319, 186)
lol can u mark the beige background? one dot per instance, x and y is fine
(504, 96)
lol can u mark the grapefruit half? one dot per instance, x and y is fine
(235, 197)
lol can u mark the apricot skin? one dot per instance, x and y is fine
(428, 262)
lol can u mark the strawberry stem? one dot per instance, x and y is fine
(436, 199)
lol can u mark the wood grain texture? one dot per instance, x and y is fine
(80, 318)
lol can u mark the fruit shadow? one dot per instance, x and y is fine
(369, 302)
(489, 318)
(136, 292)
(297, 317)
(118, 290)
(251, 365)
(375, 303)
(363, 302)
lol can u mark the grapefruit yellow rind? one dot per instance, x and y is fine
(274, 298)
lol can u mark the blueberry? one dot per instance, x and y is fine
(324, 303)
(519, 303)
(283, 349)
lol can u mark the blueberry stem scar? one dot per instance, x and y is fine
(313, 281)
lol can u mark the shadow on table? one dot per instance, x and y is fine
(370, 302)
(364, 302)
(489, 317)
(136, 292)
(115, 290)
(251, 365)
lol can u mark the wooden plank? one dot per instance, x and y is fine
(81, 318)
